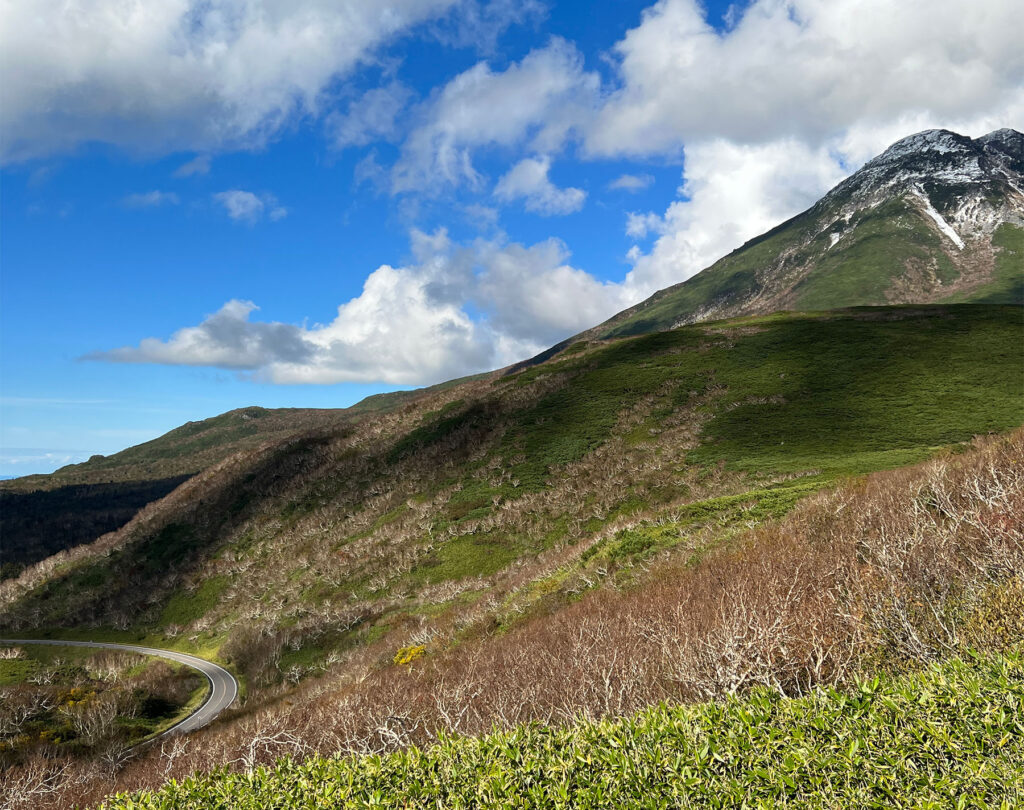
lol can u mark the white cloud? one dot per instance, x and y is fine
(372, 117)
(150, 199)
(410, 325)
(639, 225)
(768, 114)
(481, 216)
(225, 339)
(478, 25)
(179, 74)
(200, 164)
(535, 298)
(528, 181)
(245, 206)
(631, 182)
(536, 101)
(809, 69)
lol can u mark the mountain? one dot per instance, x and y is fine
(937, 217)
(474, 480)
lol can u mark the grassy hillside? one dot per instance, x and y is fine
(41, 515)
(888, 254)
(951, 736)
(392, 518)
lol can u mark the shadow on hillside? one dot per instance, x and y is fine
(130, 585)
(35, 525)
(823, 390)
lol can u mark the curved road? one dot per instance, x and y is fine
(223, 686)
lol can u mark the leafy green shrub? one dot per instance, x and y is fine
(951, 736)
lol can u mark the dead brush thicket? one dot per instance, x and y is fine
(897, 569)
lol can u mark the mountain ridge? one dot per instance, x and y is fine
(936, 216)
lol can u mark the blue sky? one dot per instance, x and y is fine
(211, 205)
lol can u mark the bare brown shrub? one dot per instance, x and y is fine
(892, 570)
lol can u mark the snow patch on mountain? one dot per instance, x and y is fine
(939, 141)
(944, 226)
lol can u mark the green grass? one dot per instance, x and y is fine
(187, 606)
(17, 670)
(465, 556)
(951, 736)
(857, 396)
(724, 512)
(843, 392)
(861, 267)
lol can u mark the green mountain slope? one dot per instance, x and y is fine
(185, 450)
(937, 217)
(885, 235)
(41, 515)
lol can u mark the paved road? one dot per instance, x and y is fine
(223, 686)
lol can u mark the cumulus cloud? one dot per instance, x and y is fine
(638, 225)
(769, 113)
(179, 74)
(537, 101)
(245, 206)
(411, 324)
(528, 181)
(150, 199)
(809, 69)
(789, 100)
(226, 339)
(631, 182)
(535, 298)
